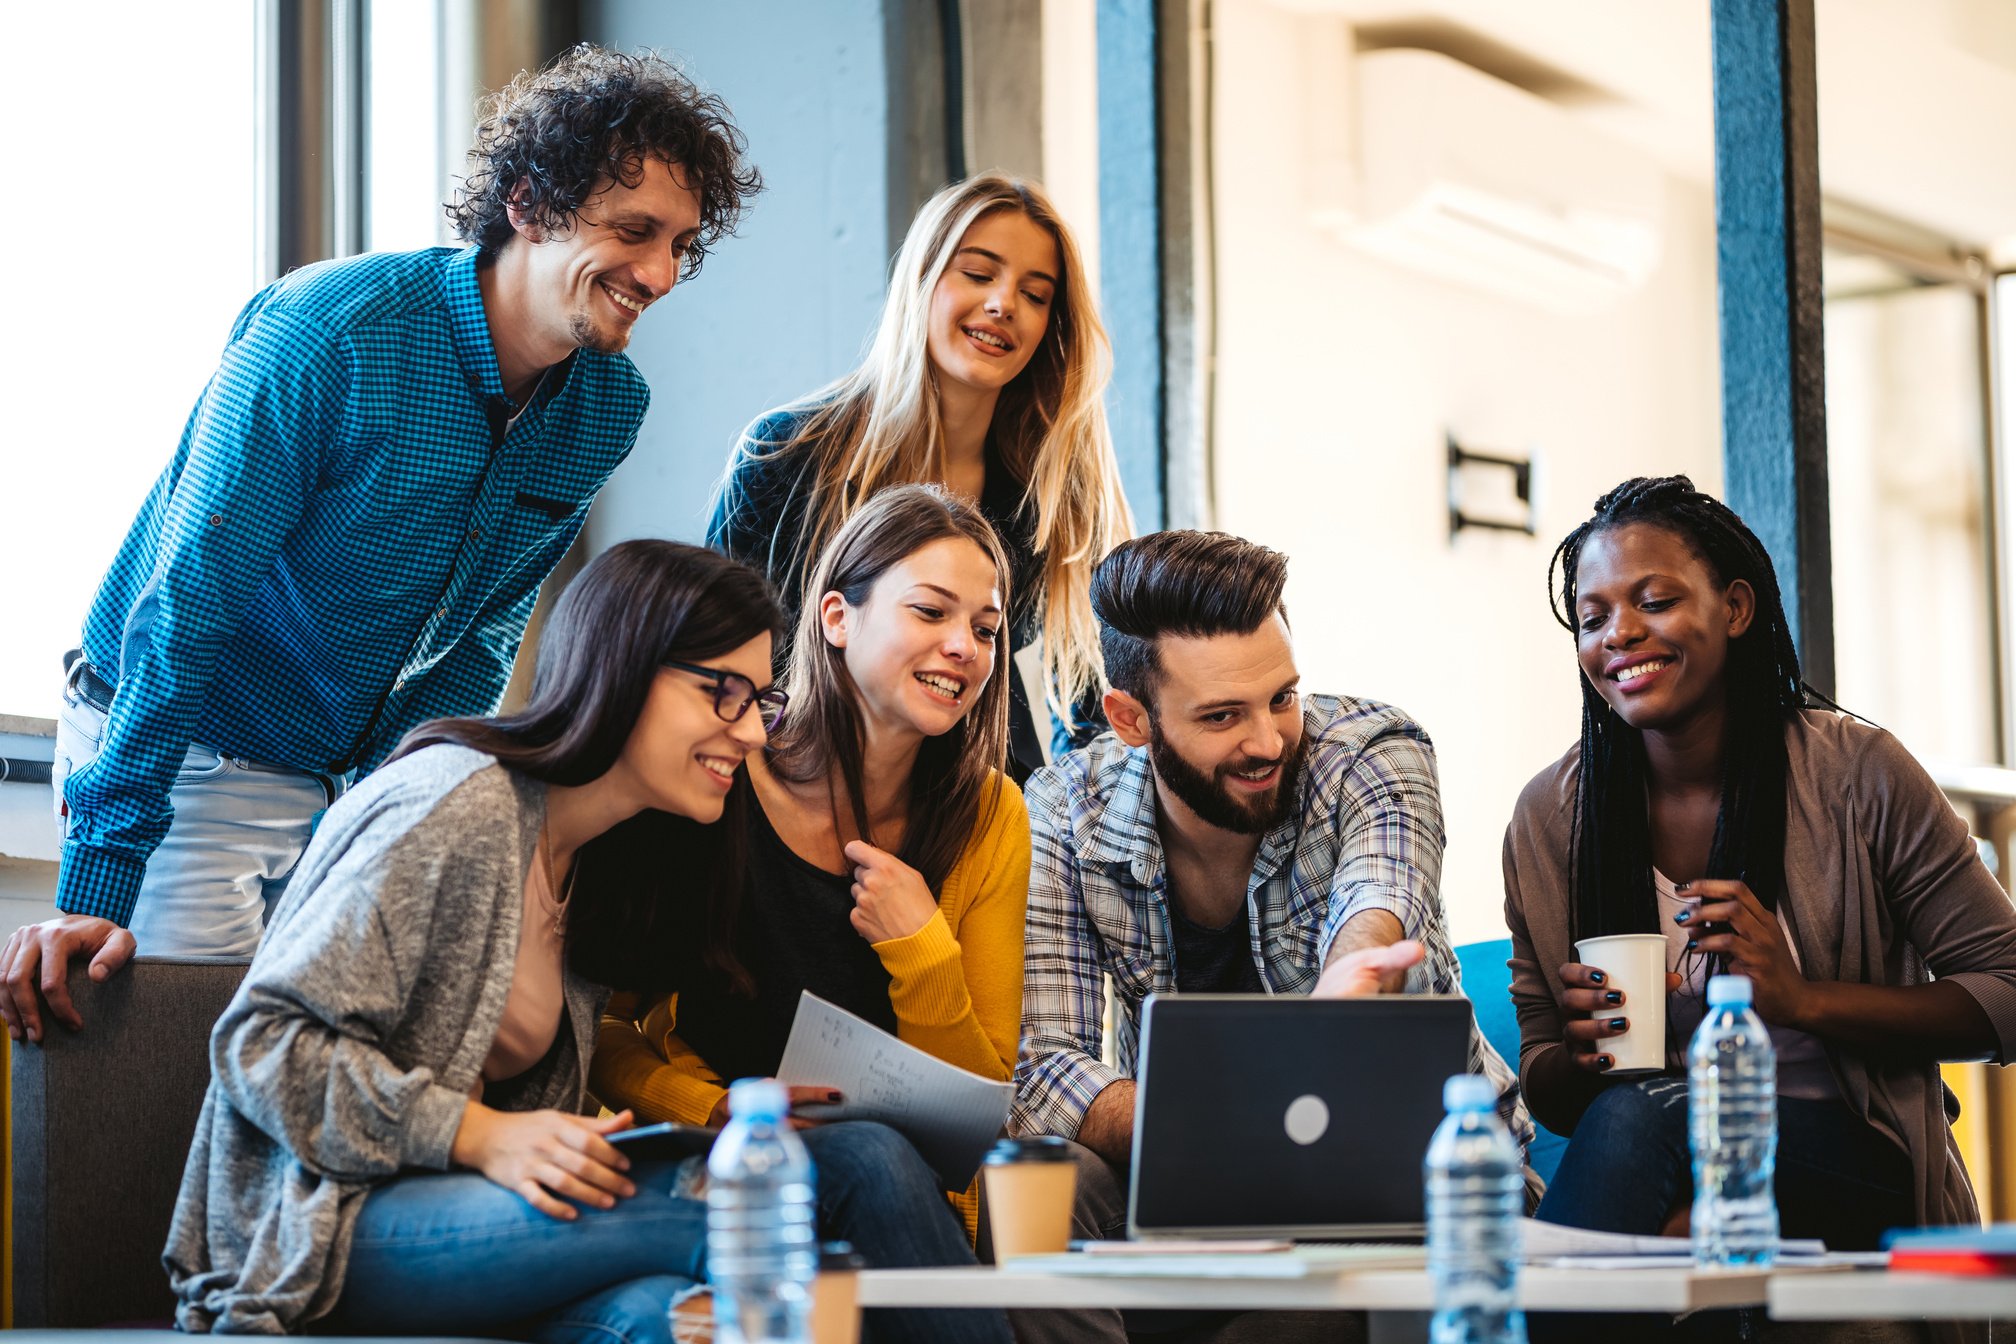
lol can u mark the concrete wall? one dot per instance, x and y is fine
(790, 303)
(1338, 376)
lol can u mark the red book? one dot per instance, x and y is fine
(1952, 1260)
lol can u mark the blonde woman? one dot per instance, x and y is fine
(986, 376)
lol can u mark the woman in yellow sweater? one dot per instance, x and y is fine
(884, 856)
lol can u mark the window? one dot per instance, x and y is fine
(134, 254)
(1909, 486)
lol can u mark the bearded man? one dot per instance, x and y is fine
(393, 453)
(1229, 835)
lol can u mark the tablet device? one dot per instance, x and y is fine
(663, 1143)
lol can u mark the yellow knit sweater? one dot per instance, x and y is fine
(956, 986)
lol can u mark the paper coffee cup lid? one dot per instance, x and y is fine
(1045, 1148)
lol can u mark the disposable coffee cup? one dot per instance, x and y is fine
(1030, 1186)
(1636, 964)
(836, 1311)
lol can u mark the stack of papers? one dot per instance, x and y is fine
(1555, 1246)
(1212, 1260)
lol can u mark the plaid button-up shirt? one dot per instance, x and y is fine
(345, 543)
(1366, 835)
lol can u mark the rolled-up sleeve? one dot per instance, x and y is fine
(1059, 1071)
(1387, 808)
(1949, 905)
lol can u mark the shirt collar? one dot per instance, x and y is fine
(1126, 833)
(469, 328)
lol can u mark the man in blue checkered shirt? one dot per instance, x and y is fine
(393, 454)
(1230, 835)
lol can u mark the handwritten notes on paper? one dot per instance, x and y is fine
(949, 1115)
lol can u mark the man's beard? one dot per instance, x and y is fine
(589, 336)
(1209, 797)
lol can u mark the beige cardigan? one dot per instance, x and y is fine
(1882, 887)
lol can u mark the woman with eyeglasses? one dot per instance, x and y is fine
(887, 854)
(393, 1140)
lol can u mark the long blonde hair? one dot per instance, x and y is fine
(880, 425)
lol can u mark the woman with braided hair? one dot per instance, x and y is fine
(1716, 798)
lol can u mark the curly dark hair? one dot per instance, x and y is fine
(593, 116)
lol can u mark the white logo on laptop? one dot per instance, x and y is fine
(1306, 1119)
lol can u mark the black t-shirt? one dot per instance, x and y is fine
(1214, 961)
(791, 934)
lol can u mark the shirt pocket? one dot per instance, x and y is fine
(1128, 949)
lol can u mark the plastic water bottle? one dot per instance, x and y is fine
(762, 1246)
(1476, 1192)
(1732, 1122)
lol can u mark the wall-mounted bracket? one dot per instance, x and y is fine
(1522, 487)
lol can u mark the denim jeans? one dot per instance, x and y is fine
(456, 1255)
(239, 829)
(1627, 1166)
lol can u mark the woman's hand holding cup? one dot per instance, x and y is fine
(1597, 1009)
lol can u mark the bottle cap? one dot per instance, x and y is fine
(1042, 1148)
(1727, 989)
(1468, 1092)
(840, 1257)
(758, 1099)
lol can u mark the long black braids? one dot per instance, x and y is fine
(1610, 872)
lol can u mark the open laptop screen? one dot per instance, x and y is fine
(1259, 1115)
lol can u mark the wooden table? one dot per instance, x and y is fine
(1648, 1290)
(1880, 1295)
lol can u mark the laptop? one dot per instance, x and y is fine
(1258, 1115)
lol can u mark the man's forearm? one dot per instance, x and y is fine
(1367, 928)
(1108, 1126)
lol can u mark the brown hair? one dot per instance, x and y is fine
(1180, 583)
(550, 141)
(823, 730)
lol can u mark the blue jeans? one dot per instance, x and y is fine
(454, 1254)
(1627, 1166)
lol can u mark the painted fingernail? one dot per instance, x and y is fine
(1596, 976)
(1693, 943)
(1604, 1061)
(1614, 996)
(1682, 917)
(1617, 1023)
(832, 1096)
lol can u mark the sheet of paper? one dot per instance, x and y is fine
(1551, 1241)
(949, 1115)
(1302, 1262)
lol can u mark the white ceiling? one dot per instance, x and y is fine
(1917, 97)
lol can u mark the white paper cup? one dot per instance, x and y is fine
(1636, 964)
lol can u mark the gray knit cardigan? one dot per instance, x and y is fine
(349, 1051)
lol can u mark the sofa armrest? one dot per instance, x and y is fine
(101, 1124)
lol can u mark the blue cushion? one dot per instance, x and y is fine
(1488, 982)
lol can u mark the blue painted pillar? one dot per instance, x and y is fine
(1767, 222)
(1130, 250)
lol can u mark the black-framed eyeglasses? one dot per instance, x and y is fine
(734, 693)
